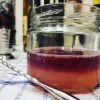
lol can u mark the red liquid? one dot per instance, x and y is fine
(68, 70)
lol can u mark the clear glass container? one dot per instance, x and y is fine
(64, 46)
(7, 29)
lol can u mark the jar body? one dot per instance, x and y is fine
(63, 46)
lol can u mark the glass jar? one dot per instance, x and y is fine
(63, 46)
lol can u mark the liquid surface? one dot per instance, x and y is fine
(66, 69)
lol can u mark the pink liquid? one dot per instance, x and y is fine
(68, 70)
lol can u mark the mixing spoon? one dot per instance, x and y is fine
(59, 95)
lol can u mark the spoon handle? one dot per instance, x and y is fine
(56, 93)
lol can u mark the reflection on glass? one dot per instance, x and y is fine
(62, 46)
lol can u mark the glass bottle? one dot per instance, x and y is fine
(27, 7)
(25, 24)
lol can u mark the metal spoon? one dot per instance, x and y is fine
(56, 93)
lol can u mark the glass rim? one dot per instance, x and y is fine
(96, 11)
(67, 3)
